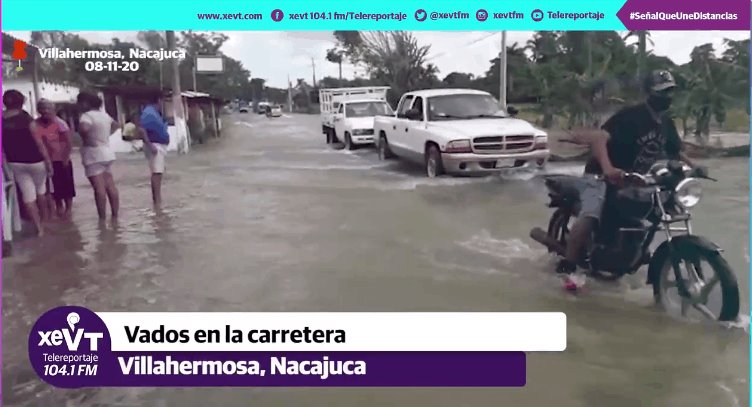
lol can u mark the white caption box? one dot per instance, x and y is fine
(364, 331)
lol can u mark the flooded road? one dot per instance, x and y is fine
(270, 218)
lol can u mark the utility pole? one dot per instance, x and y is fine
(503, 72)
(311, 96)
(195, 62)
(289, 94)
(177, 100)
(313, 66)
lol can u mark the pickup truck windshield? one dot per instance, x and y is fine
(463, 107)
(367, 109)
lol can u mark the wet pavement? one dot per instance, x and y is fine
(270, 218)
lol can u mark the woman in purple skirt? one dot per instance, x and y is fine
(55, 135)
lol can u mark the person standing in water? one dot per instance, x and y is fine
(95, 127)
(55, 135)
(156, 139)
(26, 156)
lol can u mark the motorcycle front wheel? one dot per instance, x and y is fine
(713, 292)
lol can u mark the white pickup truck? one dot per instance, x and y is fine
(458, 132)
(347, 114)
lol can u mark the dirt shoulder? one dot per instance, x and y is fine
(720, 145)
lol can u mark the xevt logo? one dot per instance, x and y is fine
(71, 338)
(70, 347)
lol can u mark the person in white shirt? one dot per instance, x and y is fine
(95, 127)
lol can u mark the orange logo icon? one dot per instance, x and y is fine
(19, 53)
(19, 50)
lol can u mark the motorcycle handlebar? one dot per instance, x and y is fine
(659, 178)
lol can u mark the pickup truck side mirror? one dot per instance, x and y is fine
(414, 114)
(512, 111)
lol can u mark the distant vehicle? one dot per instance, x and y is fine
(243, 107)
(276, 111)
(261, 107)
(348, 114)
(459, 132)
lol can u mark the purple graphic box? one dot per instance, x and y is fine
(70, 347)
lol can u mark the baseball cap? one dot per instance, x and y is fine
(660, 80)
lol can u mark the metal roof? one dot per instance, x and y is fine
(192, 94)
(440, 92)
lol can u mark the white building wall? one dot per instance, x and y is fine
(53, 92)
(61, 93)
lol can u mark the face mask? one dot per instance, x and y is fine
(659, 103)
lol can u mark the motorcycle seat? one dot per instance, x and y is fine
(564, 186)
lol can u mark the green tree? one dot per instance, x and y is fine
(63, 71)
(393, 58)
(336, 56)
(154, 40)
(735, 60)
(458, 80)
(519, 76)
(706, 95)
(351, 43)
(643, 38)
(74, 71)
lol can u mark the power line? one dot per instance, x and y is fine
(475, 41)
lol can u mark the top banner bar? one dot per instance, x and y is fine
(383, 15)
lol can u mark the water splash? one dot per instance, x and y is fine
(562, 169)
(730, 393)
(414, 183)
(504, 249)
(314, 167)
(463, 268)
(519, 174)
(742, 322)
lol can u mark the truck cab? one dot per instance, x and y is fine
(354, 120)
(347, 114)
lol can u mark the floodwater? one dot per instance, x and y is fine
(270, 218)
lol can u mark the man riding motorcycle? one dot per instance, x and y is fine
(632, 140)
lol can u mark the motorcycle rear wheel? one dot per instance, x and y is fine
(558, 228)
(700, 291)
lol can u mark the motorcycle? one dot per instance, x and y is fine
(647, 204)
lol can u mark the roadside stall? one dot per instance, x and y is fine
(203, 115)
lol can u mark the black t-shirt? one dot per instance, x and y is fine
(638, 139)
(18, 144)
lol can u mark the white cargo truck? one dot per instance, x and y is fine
(347, 114)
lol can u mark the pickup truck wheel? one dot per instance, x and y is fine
(434, 166)
(384, 152)
(348, 142)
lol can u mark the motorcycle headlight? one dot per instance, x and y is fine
(688, 193)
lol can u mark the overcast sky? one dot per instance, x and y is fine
(274, 55)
